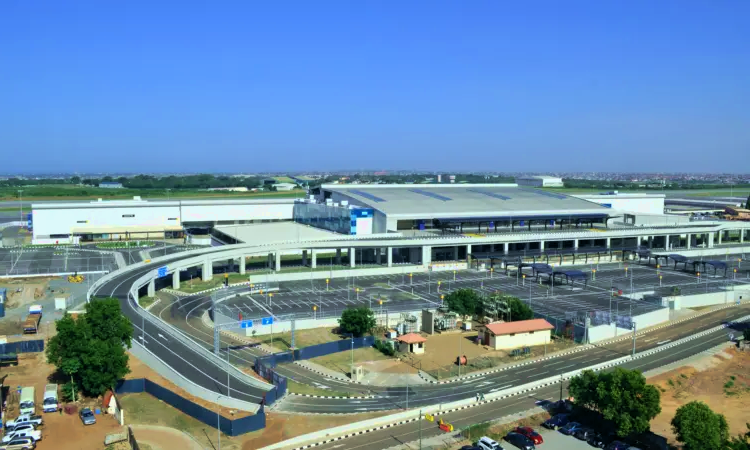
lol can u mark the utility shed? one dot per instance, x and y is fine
(511, 335)
(411, 342)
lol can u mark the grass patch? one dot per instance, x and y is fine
(300, 388)
(342, 361)
(303, 338)
(146, 301)
(197, 285)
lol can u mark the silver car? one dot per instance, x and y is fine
(87, 416)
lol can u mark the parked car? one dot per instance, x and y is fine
(35, 435)
(22, 443)
(520, 441)
(598, 440)
(23, 419)
(529, 432)
(583, 433)
(87, 416)
(570, 428)
(23, 427)
(556, 422)
(617, 445)
(486, 443)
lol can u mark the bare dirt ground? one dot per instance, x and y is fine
(722, 381)
(59, 431)
(31, 290)
(441, 351)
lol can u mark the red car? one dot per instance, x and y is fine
(529, 432)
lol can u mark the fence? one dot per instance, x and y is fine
(131, 440)
(230, 427)
(34, 346)
(279, 382)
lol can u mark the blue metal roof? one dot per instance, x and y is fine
(367, 195)
(431, 194)
(489, 194)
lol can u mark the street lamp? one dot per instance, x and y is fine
(20, 202)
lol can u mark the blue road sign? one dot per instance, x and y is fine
(267, 320)
(162, 271)
(246, 324)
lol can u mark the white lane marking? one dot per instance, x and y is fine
(162, 336)
(663, 342)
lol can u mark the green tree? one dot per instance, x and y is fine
(697, 427)
(741, 441)
(746, 334)
(90, 350)
(621, 396)
(465, 302)
(747, 203)
(357, 321)
(519, 310)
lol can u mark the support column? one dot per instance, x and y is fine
(468, 254)
(688, 244)
(609, 242)
(176, 279)
(151, 290)
(277, 265)
(390, 256)
(352, 256)
(314, 259)
(650, 242)
(455, 253)
(304, 258)
(377, 256)
(742, 236)
(710, 240)
(243, 269)
(338, 256)
(721, 235)
(427, 255)
(666, 242)
(208, 270)
(575, 244)
(541, 246)
(505, 248)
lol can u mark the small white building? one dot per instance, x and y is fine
(284, 186)
(540, 181)
(512, 335)
(411, 342)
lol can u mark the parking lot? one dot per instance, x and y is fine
(622, 289)
(45, 260)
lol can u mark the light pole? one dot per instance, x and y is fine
(229, 392)
(218, 420)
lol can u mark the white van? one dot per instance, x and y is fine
(49, 403)
(26, 405)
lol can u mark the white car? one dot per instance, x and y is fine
(486, 443)
(33, 434)
(22, 420)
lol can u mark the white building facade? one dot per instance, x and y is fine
(540, 181)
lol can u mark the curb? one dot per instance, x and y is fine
(536, 387)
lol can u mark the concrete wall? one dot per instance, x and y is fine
(708, 299)
(638, 203)
(651, 318)
(104, 214)
(518, 340)
(608, 331)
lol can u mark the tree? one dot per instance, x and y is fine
(741, 441)
(357, 321)
(621, 396)
(747, 203)
(519, 310)
(697, 427)
(746, 334)
(465, 302)
(90, 350)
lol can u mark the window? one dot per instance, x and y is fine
(512, 334)
(531, 332)
(172, 218)
(82, 221)
(128, 215)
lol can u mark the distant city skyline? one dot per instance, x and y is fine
(586, 86)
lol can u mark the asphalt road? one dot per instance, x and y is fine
(186, 360)
(410, 432)
(185, 314)
(25, 260)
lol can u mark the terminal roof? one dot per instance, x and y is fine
(467, 201)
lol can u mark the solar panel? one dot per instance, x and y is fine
(547, 194)
(367, 195)
(431, 194)
(489, 194)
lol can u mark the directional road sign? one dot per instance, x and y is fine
(246, 324)
(267, 320)
(162, 271)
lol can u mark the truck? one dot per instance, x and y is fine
(23, 419)
(26, 403)
(49, 404)
(31, 324)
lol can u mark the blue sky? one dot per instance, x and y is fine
(144, 86)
